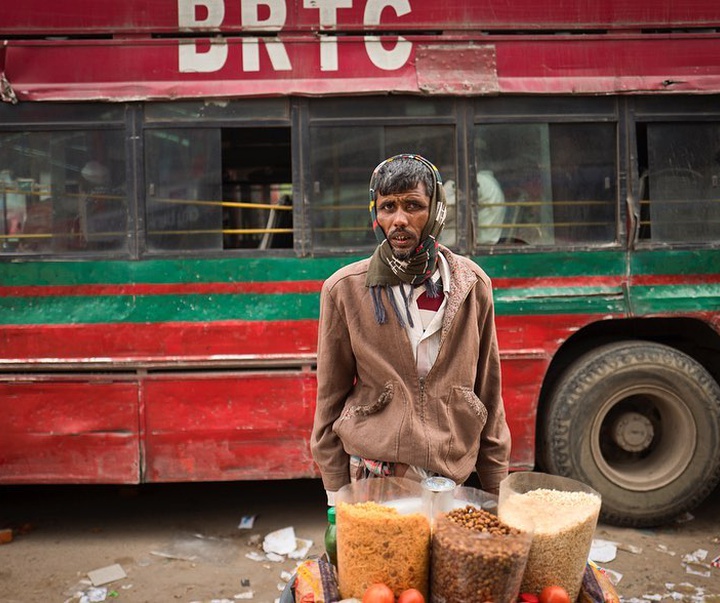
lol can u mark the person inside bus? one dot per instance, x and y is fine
(408, 369)
(491, 209)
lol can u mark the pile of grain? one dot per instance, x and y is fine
(564, 526)
(378, 544)
(476, 557)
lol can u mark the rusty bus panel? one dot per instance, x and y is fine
(226, 426)
(81, 429)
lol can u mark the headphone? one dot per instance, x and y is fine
(428, 164)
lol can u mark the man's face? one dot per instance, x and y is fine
(402, 217)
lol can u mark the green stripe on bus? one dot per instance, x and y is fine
(157, 308)
(675, 299)
(238, 269)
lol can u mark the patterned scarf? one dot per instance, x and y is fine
(386, 270)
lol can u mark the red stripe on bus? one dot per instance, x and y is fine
(224, 341)
(110, 344)
(646, 280)
(314, 286)
(557, 281)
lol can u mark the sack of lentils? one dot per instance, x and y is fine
(564, 513)
(476, 557)
(382, 536)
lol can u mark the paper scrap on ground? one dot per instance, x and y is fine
(281, 541)
(602, 551)
(302, 548)
(108, 574)
(247, 522)
(695, 563)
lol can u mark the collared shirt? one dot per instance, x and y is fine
(424, 335)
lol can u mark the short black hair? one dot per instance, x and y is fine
(402, 174)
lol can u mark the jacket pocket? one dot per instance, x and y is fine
(465, 417)
(364, 410)
(371, 430)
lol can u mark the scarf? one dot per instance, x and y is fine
(385, 270)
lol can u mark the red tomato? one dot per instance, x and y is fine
(411, 595)
(554, 594)
(379, 593)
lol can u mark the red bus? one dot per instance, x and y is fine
(177, 178)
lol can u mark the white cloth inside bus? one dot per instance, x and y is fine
(491, 209)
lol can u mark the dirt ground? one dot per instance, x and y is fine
(183, 543)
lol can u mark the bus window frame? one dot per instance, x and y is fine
(657, 109)
(591, 110)
(49, 119)
(219, 121)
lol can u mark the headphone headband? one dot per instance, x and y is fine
(428, 164)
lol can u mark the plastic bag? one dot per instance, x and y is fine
(596, 586)
(315, 582)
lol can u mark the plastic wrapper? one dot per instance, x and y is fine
(564, 513)
(315, 582)
(383, 535)
(596, 586)
(474, 556)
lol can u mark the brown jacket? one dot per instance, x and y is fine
(371, 402)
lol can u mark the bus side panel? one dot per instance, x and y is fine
(522, 378)
(170, 342)
(61, 431)
(229, 426)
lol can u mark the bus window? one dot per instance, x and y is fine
(680, 182)
(218, 188)
(63, 192)
(343, 159)
(543, 184)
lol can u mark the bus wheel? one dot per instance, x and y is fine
(640, 423)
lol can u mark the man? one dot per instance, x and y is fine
(408, 365)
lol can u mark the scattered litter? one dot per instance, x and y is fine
(247, 522)
(285, 575)
(602, 551)
(629, 548)
(694, 563)
(245, 582)
(612, 575)
(281, 541)
(254, 540)
(663, 549)
(715, 562)
(198, 547)
(302, 548)
(255, 556)
(91, 594)
(174, 556)
(248, 594)
(716, 540)
(105, 575)
(281, 586)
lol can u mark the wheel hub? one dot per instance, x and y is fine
(633, 432)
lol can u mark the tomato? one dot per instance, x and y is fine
(554, 594)
(379, 593)
(411, 595)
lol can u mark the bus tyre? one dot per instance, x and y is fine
(639, 422)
